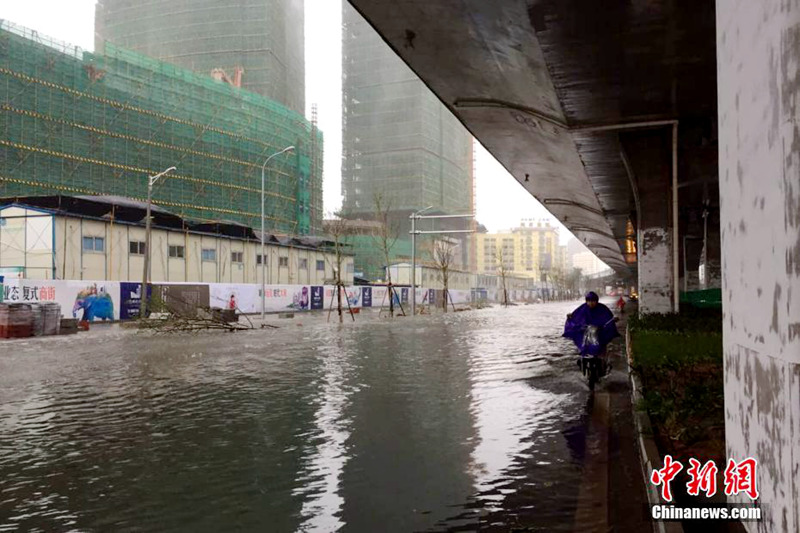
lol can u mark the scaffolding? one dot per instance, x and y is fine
(80, 123)
(264, 38)
(399, 140)
(473, 208)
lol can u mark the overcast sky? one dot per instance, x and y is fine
(501, 201)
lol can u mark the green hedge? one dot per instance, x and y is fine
(673, 347)
(679, 358)
(689, 320)
(705, 299)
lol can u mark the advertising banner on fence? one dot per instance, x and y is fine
(353, 296)
(110, 300)
(366, 296)
(317, 298)
(301, 300)
(379, 296)
(130, 300)
(247, 298)
(460, 296)
(85, 300)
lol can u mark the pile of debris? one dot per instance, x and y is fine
(21, 320)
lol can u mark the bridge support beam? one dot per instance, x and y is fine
(710, 258)
(759, 125)
(655, 268)
(647, 154)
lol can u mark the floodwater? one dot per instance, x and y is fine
(465, 421)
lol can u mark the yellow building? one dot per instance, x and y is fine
(430, 277)
(526, 251)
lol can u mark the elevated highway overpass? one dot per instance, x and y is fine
(597, 108)
(664, 134)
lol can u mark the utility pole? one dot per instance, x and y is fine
(263, 230)
(414, 217)
(414, 232)
(144, 300)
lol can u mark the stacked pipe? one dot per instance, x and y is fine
(46, 318)
(52, 318)
(38, 320)
(16, 320)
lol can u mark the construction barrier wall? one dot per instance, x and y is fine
(112, 300)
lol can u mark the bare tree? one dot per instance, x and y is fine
(574, 281)
(557, 280)
(543, 278)
(443, 255)
(336, 228)
(385, 238)
(502, 271)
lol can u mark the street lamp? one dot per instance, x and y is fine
(414, 233)
(151, 180)
(263, 230)
(414, 258)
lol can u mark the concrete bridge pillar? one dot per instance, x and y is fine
(759, 125)
(655, 258)
(710, 259)
(647, 153)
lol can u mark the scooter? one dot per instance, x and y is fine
(593, 360)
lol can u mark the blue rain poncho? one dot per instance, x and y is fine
(601, 316)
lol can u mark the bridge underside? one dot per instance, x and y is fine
(578, 99)
(552, 88)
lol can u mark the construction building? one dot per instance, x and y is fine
(530, 250)
(75, 122)
(399, 142)
(257, 44)
(588, 263)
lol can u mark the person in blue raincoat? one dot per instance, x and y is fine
(591, 313)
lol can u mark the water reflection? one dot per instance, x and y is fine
(319, 481)
(438, 423)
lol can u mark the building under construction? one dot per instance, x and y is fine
(399, 140)
(257, 43)
(74, 122)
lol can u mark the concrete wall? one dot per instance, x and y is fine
(759, 107)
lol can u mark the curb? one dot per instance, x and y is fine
(647, 445)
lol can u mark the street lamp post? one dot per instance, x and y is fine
(263, 230)
(414, 217)
(414, 233)
(143, 301)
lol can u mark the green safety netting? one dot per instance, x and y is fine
(74, 122)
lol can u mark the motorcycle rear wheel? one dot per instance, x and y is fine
(594, 373)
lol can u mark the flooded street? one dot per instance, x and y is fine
(455, 422)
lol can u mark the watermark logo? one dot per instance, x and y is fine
(665, 475)
(739, 477)
(703, 479)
